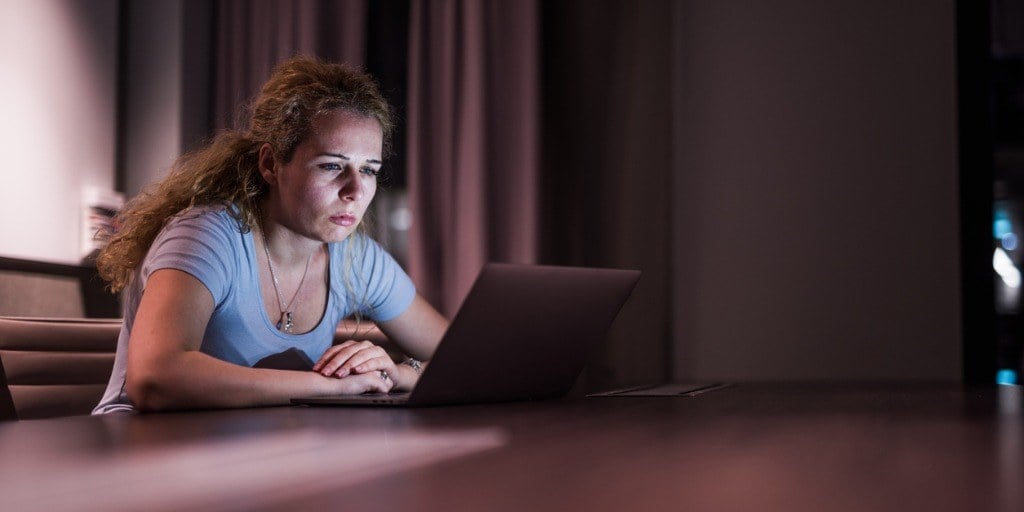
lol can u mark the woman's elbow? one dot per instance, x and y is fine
(146, 392)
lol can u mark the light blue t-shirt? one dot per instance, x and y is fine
(209, 244)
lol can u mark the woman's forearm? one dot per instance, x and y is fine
(193, 380)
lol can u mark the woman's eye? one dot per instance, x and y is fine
(330, 167)
(370, 171)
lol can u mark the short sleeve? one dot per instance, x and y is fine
(201, 243)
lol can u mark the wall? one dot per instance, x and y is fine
(816, 218)
(153, 91)
(57, 130)
(607, 168)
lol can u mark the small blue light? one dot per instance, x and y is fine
(1001, 227)
(1009, 241)
(1006, 377)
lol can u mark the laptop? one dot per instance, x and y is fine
(524, 332)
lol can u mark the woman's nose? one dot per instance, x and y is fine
(351, 186)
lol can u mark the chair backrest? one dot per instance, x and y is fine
(53, 290)
(57, 366)
(60, 366)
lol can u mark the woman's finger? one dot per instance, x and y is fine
(365, 361)
(373, 382)
(331, 352)
(333, 359)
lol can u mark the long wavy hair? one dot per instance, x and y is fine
(226, 171)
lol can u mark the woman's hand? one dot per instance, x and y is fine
(357, 358)
(354, 357)
(359, 383)
(416, 331)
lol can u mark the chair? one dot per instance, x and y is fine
(60, 366)
(56, 366)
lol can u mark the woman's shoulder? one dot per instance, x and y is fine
(210, 226)
(205, 242)
(220, 216)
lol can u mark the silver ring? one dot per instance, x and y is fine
(384, 375)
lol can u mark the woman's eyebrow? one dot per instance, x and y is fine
(343, 157)
(335, 155)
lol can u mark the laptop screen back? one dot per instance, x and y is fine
(523, 332)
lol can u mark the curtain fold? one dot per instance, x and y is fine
(478, 186)
(472, 145)
(251, 36)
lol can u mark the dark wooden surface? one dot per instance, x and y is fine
(748, 447)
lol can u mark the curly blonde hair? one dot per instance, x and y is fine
(226, 171)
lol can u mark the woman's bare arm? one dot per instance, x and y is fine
(418, 330)
(166, 370)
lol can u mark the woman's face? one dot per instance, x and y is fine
(323, 192)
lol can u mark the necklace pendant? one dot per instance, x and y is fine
(285, 323)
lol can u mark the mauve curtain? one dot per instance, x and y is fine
(473, 149)
(254, 35)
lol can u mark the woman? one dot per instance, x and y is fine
(252, 247)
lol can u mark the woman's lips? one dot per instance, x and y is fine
(345, 220)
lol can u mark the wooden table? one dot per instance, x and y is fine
(794, 447)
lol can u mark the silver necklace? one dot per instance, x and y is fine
(284, 323)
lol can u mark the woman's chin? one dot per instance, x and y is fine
(339, 235)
